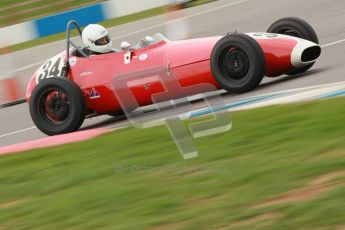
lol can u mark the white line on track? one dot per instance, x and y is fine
(15, 132)
(25, 67)
(333, 43)
(185, 17)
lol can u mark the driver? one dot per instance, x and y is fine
(96, 39)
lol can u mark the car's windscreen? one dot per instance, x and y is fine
(151, 40)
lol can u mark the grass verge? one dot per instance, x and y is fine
(280, 167)
(16, 11)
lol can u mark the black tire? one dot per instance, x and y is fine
(237, 63)
(63, 112)
(295, 27)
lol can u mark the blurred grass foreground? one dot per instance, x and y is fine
(280, 167)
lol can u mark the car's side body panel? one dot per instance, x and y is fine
(188, 60)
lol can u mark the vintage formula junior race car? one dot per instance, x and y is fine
(73, 85)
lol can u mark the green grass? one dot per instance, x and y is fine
(16, 11)
(96, 184)
(107, 23)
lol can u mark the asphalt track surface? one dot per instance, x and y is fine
(326, 16)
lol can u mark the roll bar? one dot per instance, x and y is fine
(70, 42)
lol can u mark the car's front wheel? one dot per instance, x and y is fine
(238, 63)
(57, 106)
(295, 27)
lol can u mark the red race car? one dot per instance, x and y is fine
(73, 85)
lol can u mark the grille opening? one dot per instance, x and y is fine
(311, 53)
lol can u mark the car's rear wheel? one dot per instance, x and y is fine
(295, 27)
(57, 106)
(238, 63)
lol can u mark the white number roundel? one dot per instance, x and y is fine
(51, 68)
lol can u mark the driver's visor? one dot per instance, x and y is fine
(103, 41)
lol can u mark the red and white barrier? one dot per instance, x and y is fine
(10, 88)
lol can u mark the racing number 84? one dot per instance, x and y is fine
(49, 70)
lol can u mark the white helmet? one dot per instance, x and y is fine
(96, 38)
